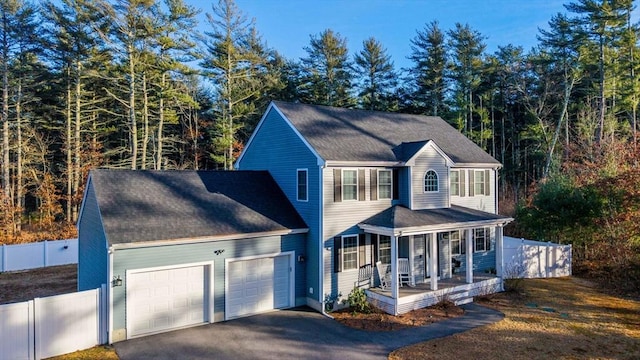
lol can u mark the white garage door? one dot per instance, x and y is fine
(257, 285)
(165, 299)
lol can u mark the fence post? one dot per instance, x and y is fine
(46, 254)
(4, 258)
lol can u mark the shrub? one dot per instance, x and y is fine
(357, 300)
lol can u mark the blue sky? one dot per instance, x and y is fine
(287, 24)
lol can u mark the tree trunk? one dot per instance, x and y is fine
(77, 144)
(68, 148)
(145, 120)
(19, 180)
(132, 110)
(6, 182)
(160, 123)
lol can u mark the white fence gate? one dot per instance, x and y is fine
(535, 259)
(39, 254)
(54, 325)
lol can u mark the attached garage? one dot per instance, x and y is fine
(167, 298)
(185, 248)
(255, 285)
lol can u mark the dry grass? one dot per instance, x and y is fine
(565, 318)
(98, 352)
(25, 285)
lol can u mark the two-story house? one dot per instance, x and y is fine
(322, 199)
(376, 186)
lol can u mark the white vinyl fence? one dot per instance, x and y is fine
(39, 254)
(535, 259)
(54, 325)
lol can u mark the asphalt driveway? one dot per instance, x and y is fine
(292, 334)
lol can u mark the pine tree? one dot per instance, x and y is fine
(236, 67)
(327, 78)
(429, 56)
(377, 76)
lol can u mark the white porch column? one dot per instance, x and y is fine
(499, 252)
(469, 255)
(433, 261)
(394, 272)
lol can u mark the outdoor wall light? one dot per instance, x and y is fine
(117, 281)
(218, 252)
(301, 258)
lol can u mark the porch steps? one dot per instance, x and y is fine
(461, 297)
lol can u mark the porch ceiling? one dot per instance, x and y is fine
(400, 220)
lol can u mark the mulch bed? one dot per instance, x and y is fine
(378, 320)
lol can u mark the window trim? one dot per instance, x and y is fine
(390, 184)
(476, 183)
(424, 183)
(457, 184)
(357, 185)
(356, 252)
(380, 248)
(306, 185)
(486, 243)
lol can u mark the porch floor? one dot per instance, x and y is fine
(425, 287)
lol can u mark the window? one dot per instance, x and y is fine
(349, 185)
(456, 242)
(384, 249)
(431, 181)
(303, 185)
(454, 179)
(384, 184)
(482, 239)
(478, 183)
(350, 252)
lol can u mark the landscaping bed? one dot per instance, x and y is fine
(378, 320)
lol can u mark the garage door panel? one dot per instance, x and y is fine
(159, 300)
(257, 285)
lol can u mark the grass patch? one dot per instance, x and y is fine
(584, 323)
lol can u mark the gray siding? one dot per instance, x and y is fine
(478, 202)
(278, 149)
(342, 218)
(92, 245)
(429, 159)
(140, 258)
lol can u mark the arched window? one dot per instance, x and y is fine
(430, 181)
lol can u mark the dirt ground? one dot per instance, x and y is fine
(17, 286)
(378, 320)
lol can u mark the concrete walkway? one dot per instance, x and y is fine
(293, 334)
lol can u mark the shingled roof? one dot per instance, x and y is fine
(399, 217)
(138, 206)
(339, 134)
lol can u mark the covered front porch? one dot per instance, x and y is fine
(455, 289)
(434, 243)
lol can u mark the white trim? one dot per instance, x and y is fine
(390, 171)
(320, 239)
(433, 145)
(272, 105)
(417, 230)
(424, 179)
(477, 165)
(345, 163)
(306, 178)
(209, 314)
(143, 244)
(473, 182)
(110, 296)
(409, 186)
(292, 276)
(342, 269)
